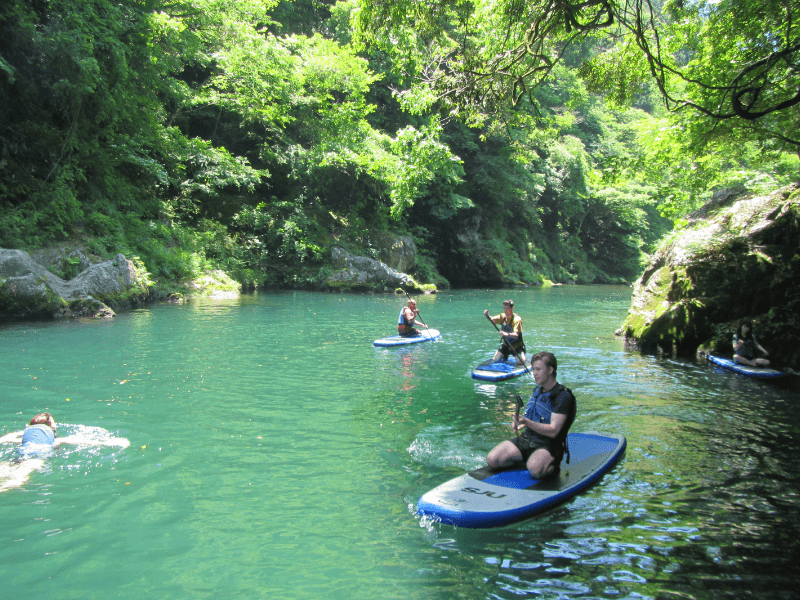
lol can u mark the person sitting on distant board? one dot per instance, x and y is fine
(746, 347)
(35, 442)
(511, 330)
(408, 316)
(542, 441)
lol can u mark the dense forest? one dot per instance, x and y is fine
(515, 142)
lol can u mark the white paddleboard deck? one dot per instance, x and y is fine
(426, 335)
(501, 370)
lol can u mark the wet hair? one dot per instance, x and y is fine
(44, 419)
(739, 333)
(549, 360)
(508, 303)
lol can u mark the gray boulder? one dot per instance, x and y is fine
(396, 251)
(28, 290)
(360, 272)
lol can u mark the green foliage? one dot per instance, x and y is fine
(250, 136)
(720, 59)
(275, 240)
(726, 71)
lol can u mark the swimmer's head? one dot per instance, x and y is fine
(44, 419)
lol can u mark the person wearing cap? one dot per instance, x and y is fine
(511, 330)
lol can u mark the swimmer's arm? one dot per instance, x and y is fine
(82, 441)
(15, 437)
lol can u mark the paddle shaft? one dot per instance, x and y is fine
(520, 404)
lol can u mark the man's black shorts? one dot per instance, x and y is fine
(505, 350)
(527, 446)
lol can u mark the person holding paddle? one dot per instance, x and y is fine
(408, 316)
(542, 432)
(511, 332)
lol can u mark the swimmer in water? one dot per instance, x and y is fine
(35, 442)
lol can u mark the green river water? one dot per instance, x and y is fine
(275, 453)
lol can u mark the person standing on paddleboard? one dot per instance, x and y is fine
(407, 319)
(511, 330)
(542, 441)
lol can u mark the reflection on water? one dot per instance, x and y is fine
(704, 505)
(276, 452)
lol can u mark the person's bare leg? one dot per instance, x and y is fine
(15, 475)
(741, 360)
(541, 464)
(503, 455)
(758, 362)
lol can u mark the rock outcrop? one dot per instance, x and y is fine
(738, 259)
(362, 273)
(396, 251)
(28, 290)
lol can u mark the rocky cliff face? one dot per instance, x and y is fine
(362, 273)
(397, 252)
(28, 290)
(739, 258)
(396, 255)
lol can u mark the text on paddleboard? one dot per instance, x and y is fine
(489, 493)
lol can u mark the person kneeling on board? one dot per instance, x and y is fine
(542, 441)
(407, 320)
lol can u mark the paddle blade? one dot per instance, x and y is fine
(520, 403)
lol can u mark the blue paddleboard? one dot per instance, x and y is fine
(760, 372)
(499, 371)
(486, 498)
(426, 335)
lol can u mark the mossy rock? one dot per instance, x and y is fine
(736, 261)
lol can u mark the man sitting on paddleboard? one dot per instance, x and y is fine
(408, 316)
(511, 330)
(548, 417)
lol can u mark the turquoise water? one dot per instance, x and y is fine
(275, 453)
